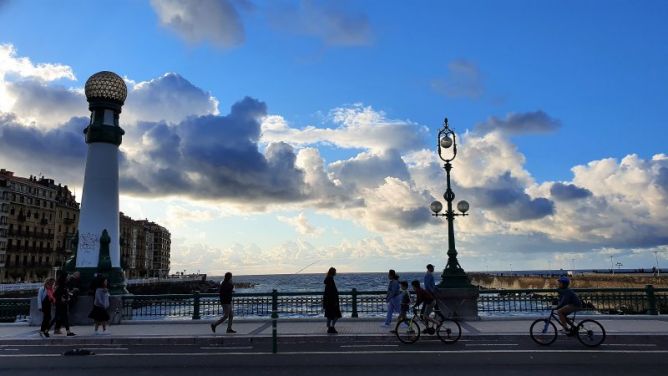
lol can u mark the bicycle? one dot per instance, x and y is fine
(408, 329)
(589, 332)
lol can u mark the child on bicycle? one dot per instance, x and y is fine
(428, 302)
(569, 302)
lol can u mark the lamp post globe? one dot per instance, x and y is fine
(463, 206)
(446, 142)
(436, 207)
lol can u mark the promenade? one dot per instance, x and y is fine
(300, 330)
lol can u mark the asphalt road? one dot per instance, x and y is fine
(512, 355)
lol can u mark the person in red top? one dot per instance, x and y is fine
(427, 300)
(45, 300)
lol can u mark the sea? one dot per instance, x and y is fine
(375, 281)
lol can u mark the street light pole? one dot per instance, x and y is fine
(453, 274)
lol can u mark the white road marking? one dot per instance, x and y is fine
(10, 349)
(226, 348)
(106, 348)
(630, 344)
(492, 344)
(344, 346)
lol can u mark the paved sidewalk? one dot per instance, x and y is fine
(199, 331)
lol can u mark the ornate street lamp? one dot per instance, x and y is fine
(453, 274)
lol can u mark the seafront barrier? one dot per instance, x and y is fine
(354, 304)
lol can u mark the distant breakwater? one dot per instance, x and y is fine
(585, 280)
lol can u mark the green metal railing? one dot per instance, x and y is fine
(13, 308)
(648, 300)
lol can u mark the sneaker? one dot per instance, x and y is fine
(231, 331)
(41, 334)
(70, 334)
(331, 330)
(213, 328)
(46, 334)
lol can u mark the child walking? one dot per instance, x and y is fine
(100, 305)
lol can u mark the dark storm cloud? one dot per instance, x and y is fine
(408, 219)
(371, 170)
(52, 103)
(507, 199)
(566, 192)
(520, 123)
(215, 157)
(62, 147)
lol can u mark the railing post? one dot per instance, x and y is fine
(651, 300)
(274, 319)
(354, 314)
(196, 315)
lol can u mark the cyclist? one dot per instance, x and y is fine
(568, 301)
(428, 302)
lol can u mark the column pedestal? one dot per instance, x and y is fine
(460, 303)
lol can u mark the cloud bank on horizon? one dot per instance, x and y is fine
(181, 146)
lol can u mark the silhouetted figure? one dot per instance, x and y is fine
(62, 295)
(226, 290)
(330, 301)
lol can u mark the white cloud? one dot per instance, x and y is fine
(301, 224)
(169, 98)
(22, 67)
(358, 127)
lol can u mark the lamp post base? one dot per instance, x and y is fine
(458, 303)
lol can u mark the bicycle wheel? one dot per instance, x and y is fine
(590, 333)
(449, 331)
(543, 332)
(408, 331)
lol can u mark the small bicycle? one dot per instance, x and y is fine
(408, 330)
(589, 332)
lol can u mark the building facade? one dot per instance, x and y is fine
(38, 226)
(145, 248)
(37, 220)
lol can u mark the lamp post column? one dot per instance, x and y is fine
(455, 293)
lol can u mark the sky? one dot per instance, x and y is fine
(291, 136)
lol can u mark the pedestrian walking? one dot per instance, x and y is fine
(226, 290)
(45, 300)
(99, 312)
(62, 296)
(429, 283)
(330, 301)
(393, 297)
(74, 286)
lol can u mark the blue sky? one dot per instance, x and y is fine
(357, 90)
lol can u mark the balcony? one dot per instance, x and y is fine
(68, 221)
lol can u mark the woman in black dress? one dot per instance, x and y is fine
(330, 301)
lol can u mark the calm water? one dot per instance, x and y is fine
(348, 281)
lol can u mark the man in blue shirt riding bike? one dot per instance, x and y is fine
(568, 301)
